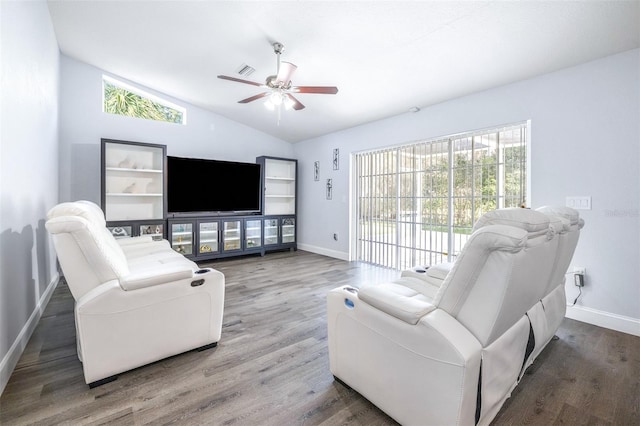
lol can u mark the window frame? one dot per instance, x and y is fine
(143, 94)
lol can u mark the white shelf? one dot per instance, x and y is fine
(130, 194)
(288, 179)
(280, 196)
(181, 233)
(123, 170)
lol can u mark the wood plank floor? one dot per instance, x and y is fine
(271, 366)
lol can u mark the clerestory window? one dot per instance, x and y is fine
(123, 99)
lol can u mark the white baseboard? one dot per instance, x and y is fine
(13, 356)
(604, 319)
(325, 252)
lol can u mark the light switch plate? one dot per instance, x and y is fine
(579, 202)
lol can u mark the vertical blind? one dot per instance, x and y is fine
(416, 204)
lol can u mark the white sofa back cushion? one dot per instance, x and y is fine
(88, 252)
(568, 241)
(498, 276)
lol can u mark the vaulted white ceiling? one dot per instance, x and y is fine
(384, 56)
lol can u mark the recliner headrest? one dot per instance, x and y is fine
(526, 219)
(566, 212)
(85, 209)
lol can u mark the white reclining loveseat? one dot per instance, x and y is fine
(433, 351)
(136, 300)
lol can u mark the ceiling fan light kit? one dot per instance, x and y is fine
(279, 86)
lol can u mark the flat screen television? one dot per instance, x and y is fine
(196, 185)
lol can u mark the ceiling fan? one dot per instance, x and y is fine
(279, 87)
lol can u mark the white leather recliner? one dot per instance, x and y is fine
(136, 300)
(450, 351)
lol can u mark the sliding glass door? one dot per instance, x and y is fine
(416, 204)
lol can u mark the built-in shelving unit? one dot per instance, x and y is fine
(133, 187)
(279, 178)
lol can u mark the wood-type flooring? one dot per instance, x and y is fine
(271, 366)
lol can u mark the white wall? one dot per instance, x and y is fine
(28, 172)
(585, 139)
(83, 124)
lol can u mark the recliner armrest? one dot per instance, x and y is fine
(397, 300)
(432, 274)
(158, 275)
(142, 239)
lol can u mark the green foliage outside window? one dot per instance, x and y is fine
(118, 100)
(476, 182)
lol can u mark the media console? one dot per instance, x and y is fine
(212, 237)
(134, 194)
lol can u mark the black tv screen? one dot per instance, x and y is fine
(197, 185)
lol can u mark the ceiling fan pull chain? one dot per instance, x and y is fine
(279, 114)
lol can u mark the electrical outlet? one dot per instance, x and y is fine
(578, 275)
(335, 236)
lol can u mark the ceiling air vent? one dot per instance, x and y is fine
(245, 70)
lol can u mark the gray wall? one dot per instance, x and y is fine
(82, 124)
(585, 140)
(28, 172)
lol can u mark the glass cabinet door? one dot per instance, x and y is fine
(231, 235)
(208, 237)
(154, 230)
(182, 237)
(253, 233)
(288, 230)
(270, 232)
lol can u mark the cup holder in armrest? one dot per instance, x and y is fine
(202, 271)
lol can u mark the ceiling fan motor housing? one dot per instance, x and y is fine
(278, 48)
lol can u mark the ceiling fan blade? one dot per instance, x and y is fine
(239, 80)
(297, 105)
(255, 97)
(329, 90)
(285, 72)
